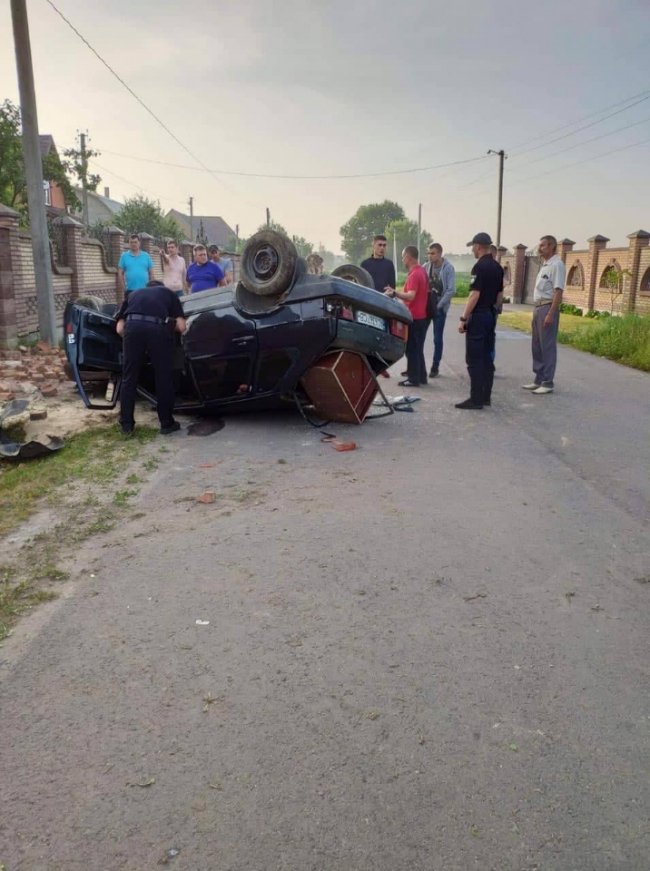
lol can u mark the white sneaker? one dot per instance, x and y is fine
(539, 391)
(533, 386)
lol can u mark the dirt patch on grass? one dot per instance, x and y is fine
(49, 505)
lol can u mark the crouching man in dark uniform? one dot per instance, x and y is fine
(478, 322)
(147, 320)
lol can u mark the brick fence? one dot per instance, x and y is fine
(79, 268)
(587, 271)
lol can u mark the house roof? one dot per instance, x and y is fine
(214, 227)
(112, 205)
(46, 144)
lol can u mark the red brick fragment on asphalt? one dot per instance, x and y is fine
(49, 389)
(207, 498)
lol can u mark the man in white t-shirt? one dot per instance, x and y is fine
(174, 268)
(546, 316)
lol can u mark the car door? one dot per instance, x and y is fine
(221, 349)
(94, 352)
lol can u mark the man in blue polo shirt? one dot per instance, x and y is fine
(203, 273)
(135, 267)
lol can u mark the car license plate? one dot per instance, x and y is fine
(371, 320)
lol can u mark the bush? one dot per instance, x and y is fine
(462, 284)
(625, 339)
(568, 309)
(596, 315)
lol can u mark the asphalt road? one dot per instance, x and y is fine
(429, 653)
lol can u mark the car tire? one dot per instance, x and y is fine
(268, 263)
(355, 274)
(94, 303)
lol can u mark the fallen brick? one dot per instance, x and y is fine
(6, 396)
(42, 347)
(49, 389)
(207, 498)
(38, 413)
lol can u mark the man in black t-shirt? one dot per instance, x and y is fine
(478, 322)
(379, 266)
(147, 320)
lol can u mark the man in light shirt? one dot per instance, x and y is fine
(174, 268)
(546, 316)
(224, 263)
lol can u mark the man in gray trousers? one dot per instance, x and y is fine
(546, 316)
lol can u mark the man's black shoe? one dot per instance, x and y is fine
(126, 430)
(487, 402)
(433, 372)
(469, 403)
(174, 426)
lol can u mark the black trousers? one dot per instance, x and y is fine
(142, 338)
(479, 347)
(415, 365)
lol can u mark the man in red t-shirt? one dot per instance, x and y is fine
(414, 296)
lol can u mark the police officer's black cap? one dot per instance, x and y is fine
(481, 239)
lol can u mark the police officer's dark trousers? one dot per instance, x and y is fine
(156, 340)
(479, 345)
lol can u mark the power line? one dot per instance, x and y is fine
(585, 126)
(578, 120)
(216, 173)
(577, 162)
(136, 97)
(303, 177)
(131, 183)
(585, 142)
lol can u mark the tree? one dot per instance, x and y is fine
(406, 233)
(13, 184)
(12, 168)
(273, 225)
(142, 215)
(303, 247)
(366, 222)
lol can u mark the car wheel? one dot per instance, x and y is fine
(268, 263)
(92, 302)
(355, 274)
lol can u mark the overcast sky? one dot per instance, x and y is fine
(340, 88)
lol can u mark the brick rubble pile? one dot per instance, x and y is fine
(26, 372)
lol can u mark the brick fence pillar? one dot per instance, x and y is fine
(8, 246)
(501, 251)
(596, 245)
(564, 247)
(146, 243)
(115, 249)
(185, 249)
(518, 273)
(72, 233)
(638, 241)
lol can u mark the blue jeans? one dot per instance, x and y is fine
(438, 329)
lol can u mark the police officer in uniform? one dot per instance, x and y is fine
(147, 320)
(478, 322)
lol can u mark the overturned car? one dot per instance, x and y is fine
(279, 336)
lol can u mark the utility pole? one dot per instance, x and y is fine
(84, 177)
(268, 217)
(502, 156)
(419, 229)
(190, 203)
(34, 175)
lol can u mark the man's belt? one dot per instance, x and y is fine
(148, 319)
(541, 302)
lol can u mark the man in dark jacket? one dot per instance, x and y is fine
(147, 321)
(379, 266)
